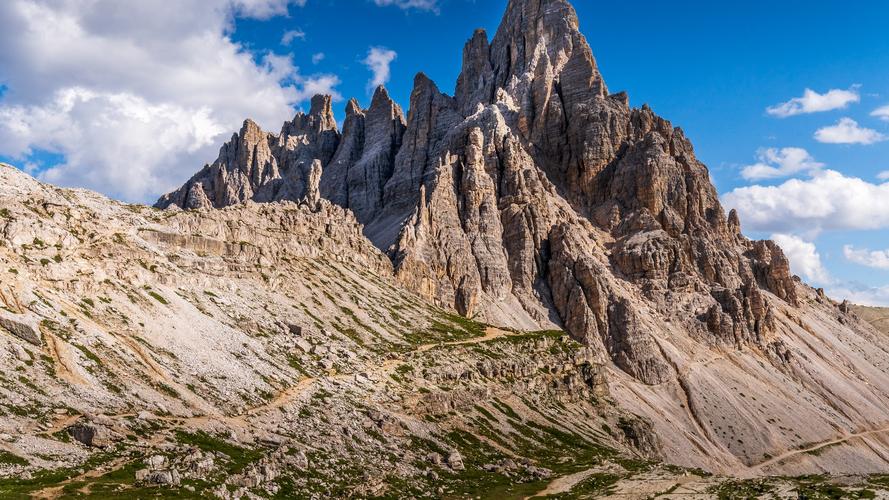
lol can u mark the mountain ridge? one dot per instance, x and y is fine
(394, 295)
(534, 198)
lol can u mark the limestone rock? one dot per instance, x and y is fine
(23, 326)
(455, 460)
(533, 198)
(92, 434)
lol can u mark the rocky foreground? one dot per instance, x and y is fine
(527, 289)
(266, 351)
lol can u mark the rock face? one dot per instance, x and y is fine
(255, 165)
(23, 326)
(364, 162)
(533, 198)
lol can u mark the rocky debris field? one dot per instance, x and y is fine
(529, 289)
(160, 353)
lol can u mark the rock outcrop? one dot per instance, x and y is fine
(533, 198)
(309, 345)
(23, 326)
(263, 167)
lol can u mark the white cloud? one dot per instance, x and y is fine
(882, 113)
(378, 61)
(847, 131)
(136, 96)
(774, 163)
(878, 259)
(829, 200)
(317, 58)
(264, 9)
(804, 258)
(291, 35)
(430, 5)
(883, 176)
(860, 294)
(813, 102)
(144, 138)
(323, 84)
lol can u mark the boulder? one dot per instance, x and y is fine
(455, 460)
(24, 326)
(92, 434)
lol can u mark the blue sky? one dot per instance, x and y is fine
(712, 68)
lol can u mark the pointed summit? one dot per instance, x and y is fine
(544, 31)
(352, 107)
(322, 105)
(476, 82)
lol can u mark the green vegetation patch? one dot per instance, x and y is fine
(239, 458)
(7, 458)
(158, 297)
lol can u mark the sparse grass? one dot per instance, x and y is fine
(239, 457)
(7, 458)
(88, 354)
(166, 389)
(158, 297)
(597, 485)
(447, 327)
(17, 487)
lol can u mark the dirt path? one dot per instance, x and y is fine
(290, 394)
(564, 484)
(281, 400)
(491, 333)
(61, 423)
(816, 447)
(284, 397)
(55, 491)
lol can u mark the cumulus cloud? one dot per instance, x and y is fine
(813, 102)
(882, 113)
(143, 138)
(829, 200)
(378, 60)
(878, 259)
(847, 131)
(136, 96)
(775, 163)
(430, 5)
(289, 36)
(317, 58)
(263, 9)
(883, 176)
(804, 258)
(323, 84)
(860, 294)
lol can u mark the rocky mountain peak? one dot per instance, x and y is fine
(476, 82)
(542, 38)
(533, 198)
(353, 107)
(321, 105)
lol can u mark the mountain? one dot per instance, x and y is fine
(878, 317)
(379, 311)
(537, 198)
